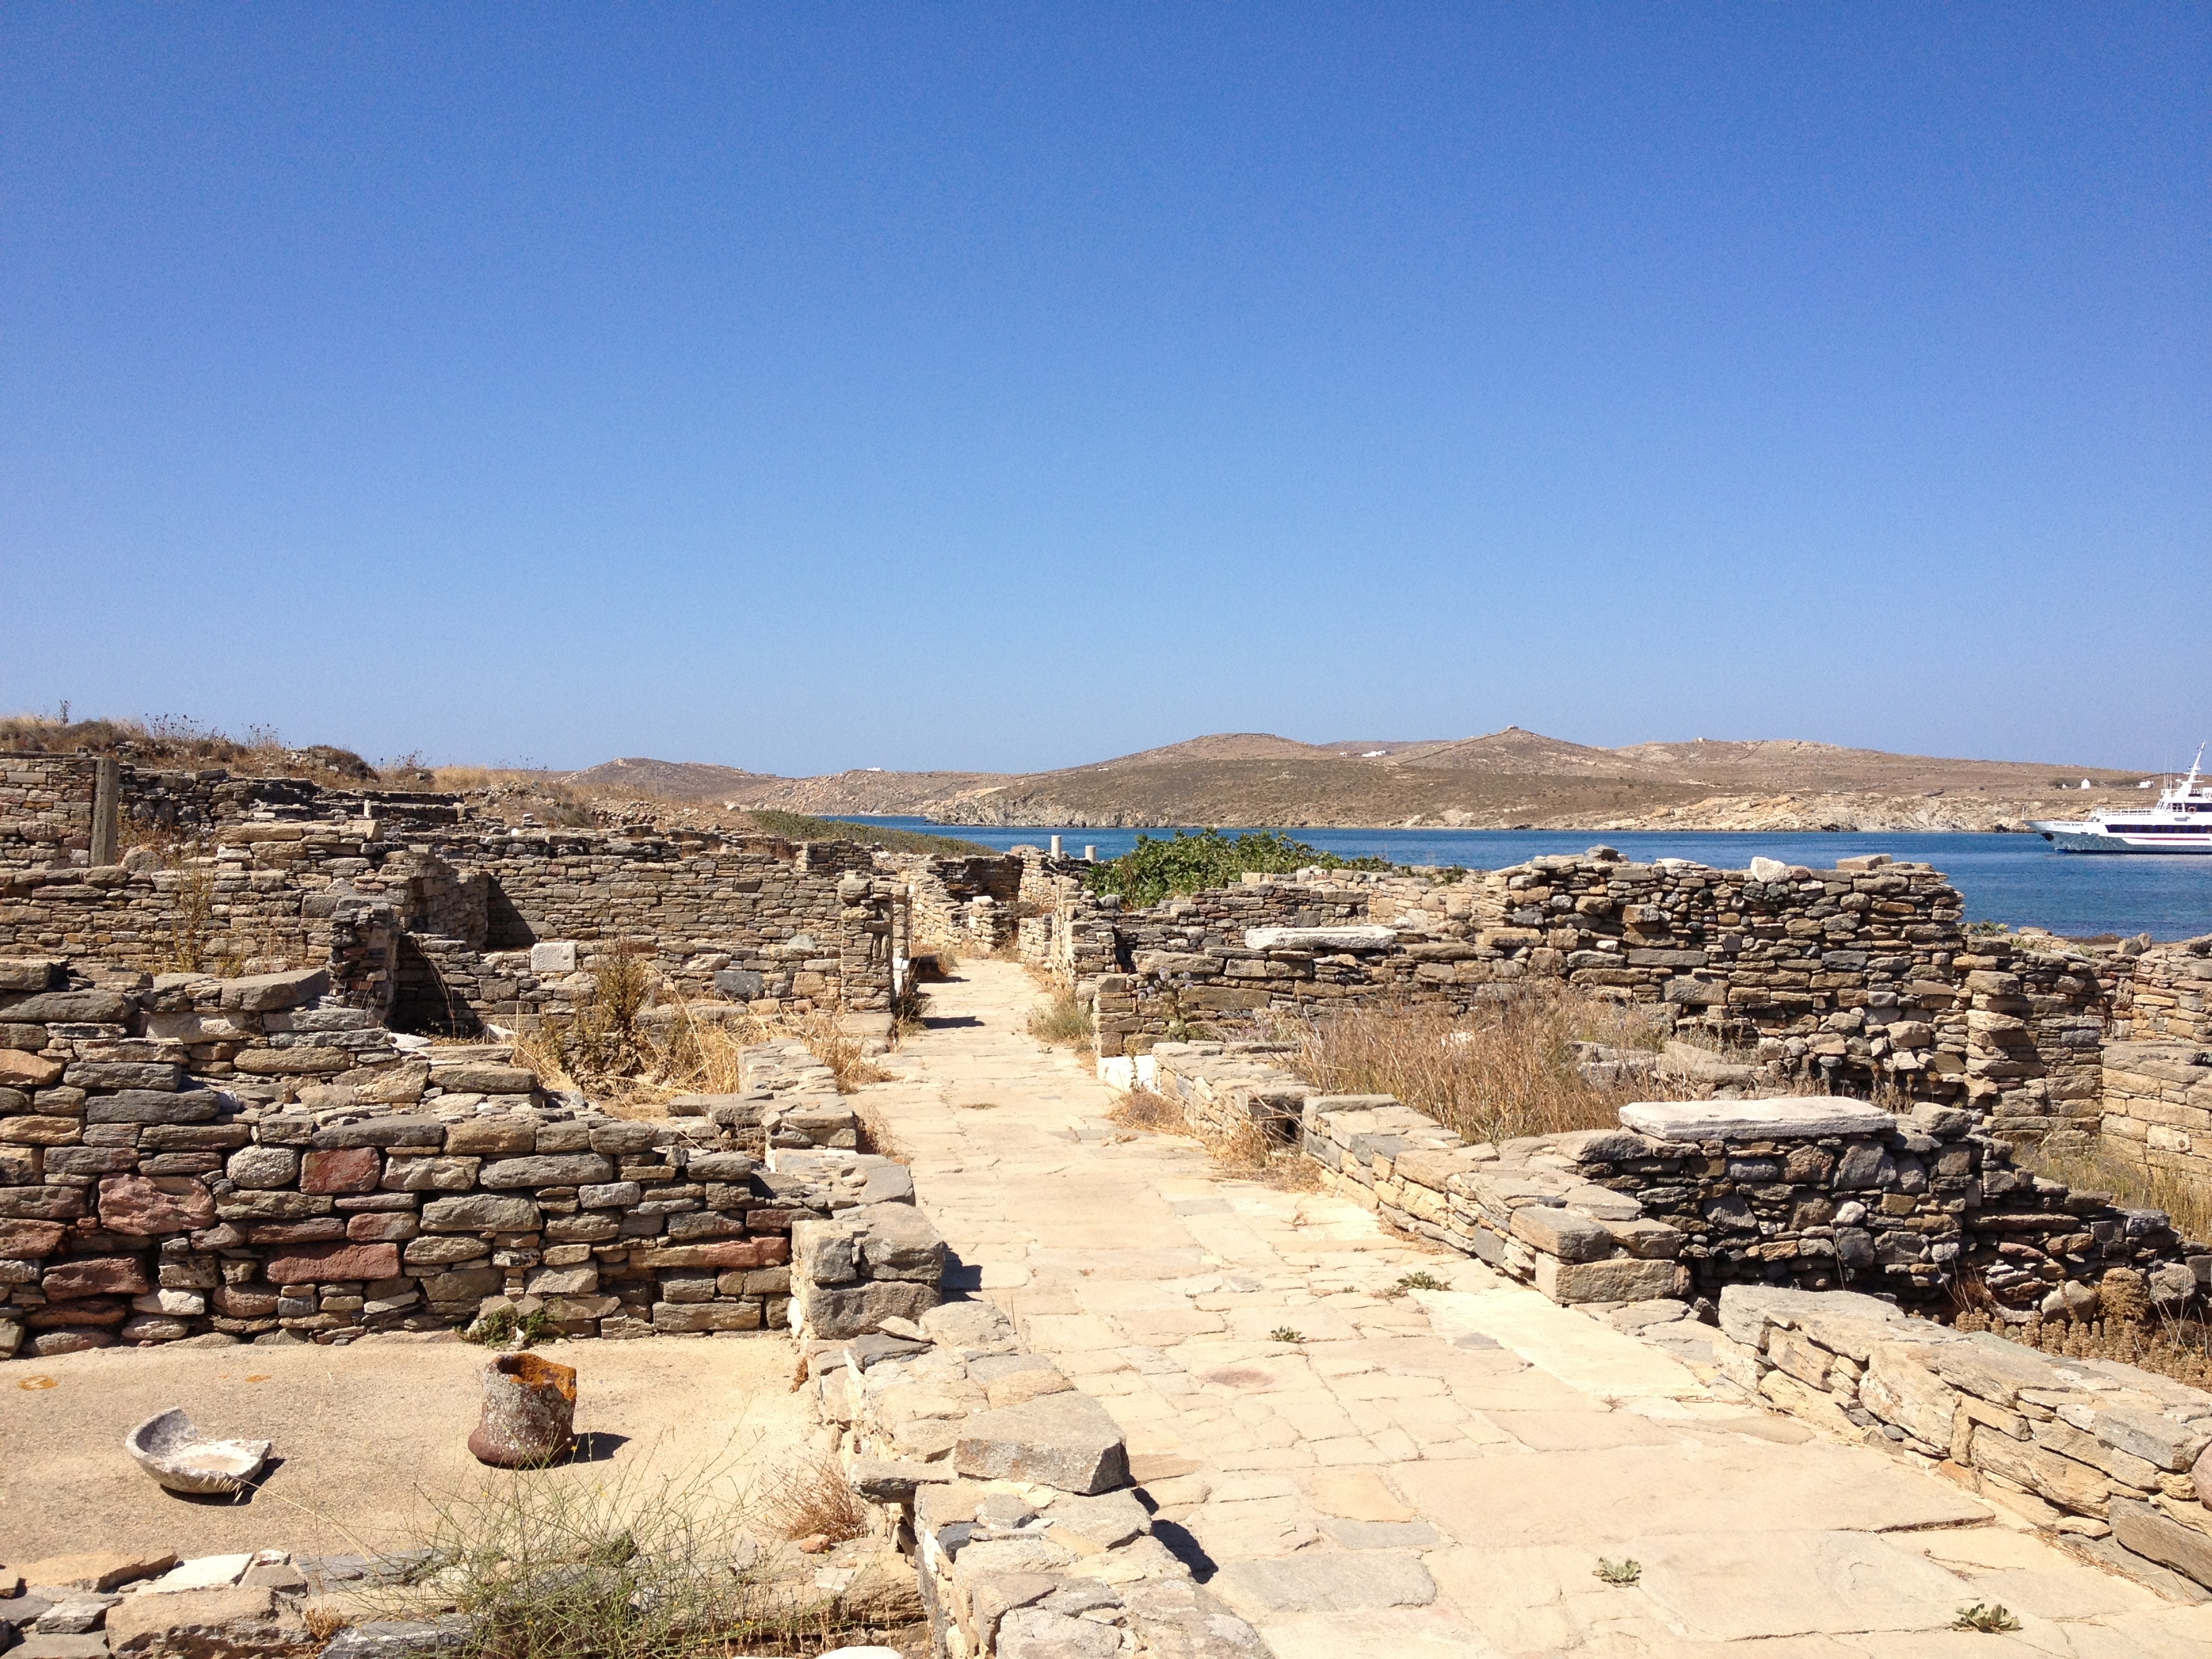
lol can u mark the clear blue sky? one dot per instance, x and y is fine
(807, 386)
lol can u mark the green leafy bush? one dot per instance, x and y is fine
(1189, 863)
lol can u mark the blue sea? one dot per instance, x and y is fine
(2015, 880)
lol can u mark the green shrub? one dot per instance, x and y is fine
(1189, 863)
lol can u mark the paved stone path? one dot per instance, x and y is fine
(1436, 1472)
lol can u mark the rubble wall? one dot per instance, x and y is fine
(744, 918)
(1862, 977)
(250, 1156)
(1832, 1194)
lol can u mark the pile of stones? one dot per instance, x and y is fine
(1011, 1489)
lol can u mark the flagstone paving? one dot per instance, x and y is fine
(1435, 1472)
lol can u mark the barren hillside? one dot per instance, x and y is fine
(1508, 779)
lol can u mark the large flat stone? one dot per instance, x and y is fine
(1797, 1118)
(1325, 1581)
(201, 1624)
(99, 1570)
(1062, 1440)
(1743, 1587)
(2140, 1527)
(269, 992)
(1320, 938)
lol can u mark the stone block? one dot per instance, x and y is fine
(484, 1079)
(261, 1169)
(705, 1317)
(19, 1070)
(72, 1008)
(1797, 1118)
(2138, 1527)
(322, 1263)
(542, 1170)
(1561, 1233)
(490, 1136)
(430, 1174)
(124, 1074)
(264, 994)
(740, 984)
(1065, 1441)
(201, 1624)
(101, 1570)
(342, 1169)
(145, 1206)
(153, 1106)
(473, 1213)
(553, 957)
(854, 1310)
(94, 1275)
(1621, 1278)
(397, 1129)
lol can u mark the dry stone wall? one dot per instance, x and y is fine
(1689, 1196)
(282, 871)
(251, 1157)
(2068, 1440)
(1861, 977)
(2157, 1086)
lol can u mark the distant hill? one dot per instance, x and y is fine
(1509, 779)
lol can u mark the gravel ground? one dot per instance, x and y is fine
(364, 1432)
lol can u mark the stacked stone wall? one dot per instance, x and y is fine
(744, 918)
(1693, 1195)
(252, 1155)
(972, 904)
(2157, 1086)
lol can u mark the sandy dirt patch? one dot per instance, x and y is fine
(364, 1432)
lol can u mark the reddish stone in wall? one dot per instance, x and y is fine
(90, 1310)
(146, 1204)
(334, 1262)
(395, 1224)
(350, 1170)
(96, 1275)
(747, 1253)
(22, 1239)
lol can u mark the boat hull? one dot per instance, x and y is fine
(2085, 838)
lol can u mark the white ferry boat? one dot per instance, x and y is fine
(2180, 823)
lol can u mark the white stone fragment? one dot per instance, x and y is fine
(1797, 1118)
(1320, 938)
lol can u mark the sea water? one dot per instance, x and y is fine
(2016, 879)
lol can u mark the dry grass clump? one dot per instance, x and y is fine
(2180, 1349)
(811, 1498)
(639, 1565)
(836, 1048)
(1505, 1070)
(1061, 1020)
(1248, 1152)
(2104, 1166)
(176, 741)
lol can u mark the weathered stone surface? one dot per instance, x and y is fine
(1795, 1118)
(485, 1136)
(124, 1074)
(72, 1008)
(265, 993)
(292, 1062)
(1368, 938)
(1063, 1440)
(1561, 1233)
(19, 1070)
(1039, 1633)
(554, 1169)
(430, 1174)
(323, 1263)
(1621, 1278)
(95, 1570)
(153, 1106)
(393, 1639)
(22, 1239)
(529, 1412)
(1337, 1581)
(342, 1169)
(399, 1129)
(94, 1275)
(705, 1317)
(1900, 1387)
(263, 1168)
(147, 1205)
(842, 1312)
(201, 1624)
(2137, 1526)
(484, 1079)
(480, 1213)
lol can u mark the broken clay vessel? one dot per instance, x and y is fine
(529, 1412)
(171, 1449)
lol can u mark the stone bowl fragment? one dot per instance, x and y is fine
(171, 1449)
